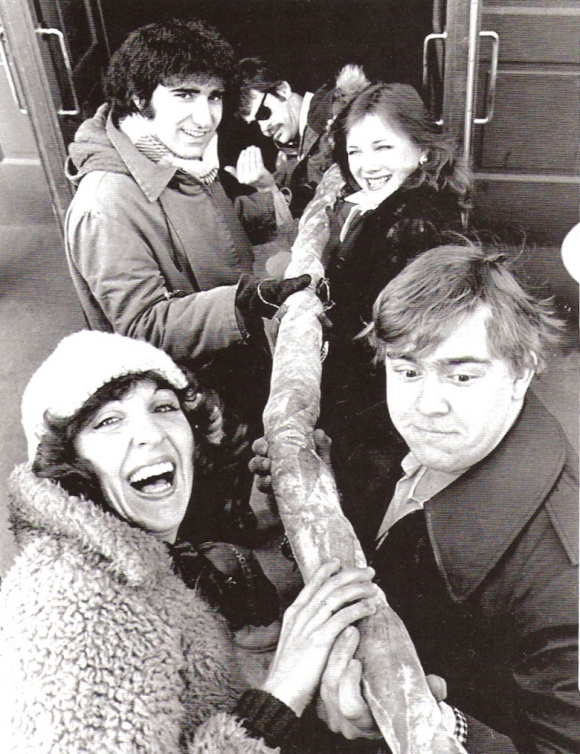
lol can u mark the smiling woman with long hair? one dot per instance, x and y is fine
(405, 190)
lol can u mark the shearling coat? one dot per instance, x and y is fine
(103, 650)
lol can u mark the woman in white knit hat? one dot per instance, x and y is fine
(106, 644)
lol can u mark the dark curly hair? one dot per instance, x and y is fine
(160, 53)
(401, 107)
(56, 457)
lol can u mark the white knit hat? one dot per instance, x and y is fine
(81, 364)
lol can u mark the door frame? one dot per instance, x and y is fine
(31, 82)
(462, 28)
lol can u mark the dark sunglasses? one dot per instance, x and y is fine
(263, 112)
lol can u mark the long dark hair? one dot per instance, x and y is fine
(56, 457)
(401, 107)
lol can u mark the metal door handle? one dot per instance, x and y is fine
(60, 36)
(11, 81)
(438, 35)
(490, 98)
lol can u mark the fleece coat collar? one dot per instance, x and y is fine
(41, 505)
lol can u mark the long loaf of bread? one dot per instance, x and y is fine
(394, 684)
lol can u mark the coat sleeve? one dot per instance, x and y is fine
(256, 211)
(224, 734)
(121, 285)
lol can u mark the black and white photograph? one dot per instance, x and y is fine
(290, 376)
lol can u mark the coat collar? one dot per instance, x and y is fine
(320, 108)
(474, 520)
(151, 178)
(39, 505)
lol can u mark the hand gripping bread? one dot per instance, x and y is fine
(394, 684)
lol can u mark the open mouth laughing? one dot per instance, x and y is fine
(156, 479)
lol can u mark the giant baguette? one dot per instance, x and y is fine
(393, 680)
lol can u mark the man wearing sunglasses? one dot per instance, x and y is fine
(298, 124)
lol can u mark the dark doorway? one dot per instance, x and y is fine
(307, 40)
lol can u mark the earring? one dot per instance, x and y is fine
(424, 159)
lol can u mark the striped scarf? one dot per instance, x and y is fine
(138, 130)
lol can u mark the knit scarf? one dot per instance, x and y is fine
(138, 130)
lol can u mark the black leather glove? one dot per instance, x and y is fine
(262, 298)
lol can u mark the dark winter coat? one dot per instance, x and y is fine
(300, 170)
(486, 582)
(377, 246)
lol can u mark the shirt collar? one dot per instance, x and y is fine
(474, 520)
(361, 202)
(151, 178)
(428, 482)
(367, 200)
(416, 486)
(410, 464)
